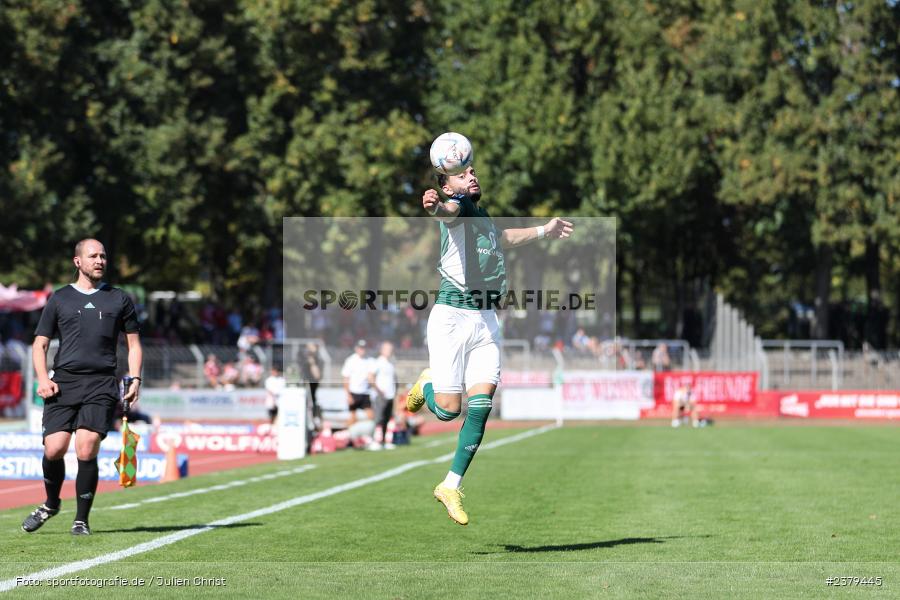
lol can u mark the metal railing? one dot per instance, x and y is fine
(518, 353)
(782, 364)
(868, 369)
(813, 364)
(160, 365)
(621, 353)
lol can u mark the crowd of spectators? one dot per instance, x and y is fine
(246, 371)
(616, 353)
(342, 328)
(406, 326)
(211, 323)
(560, 330)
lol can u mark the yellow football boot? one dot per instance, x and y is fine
(415, 399)
(452, 500)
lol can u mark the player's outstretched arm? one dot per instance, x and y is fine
(555, 229)
(442, 211)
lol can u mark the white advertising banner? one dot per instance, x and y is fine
(522, 404)
(583, 395)
(292, 423)
(238, 405)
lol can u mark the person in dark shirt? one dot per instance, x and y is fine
(87, 316)
(311, 370)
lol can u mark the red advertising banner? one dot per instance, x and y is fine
(716, 393)
(10, 388)
(708, 386)
(842, 404)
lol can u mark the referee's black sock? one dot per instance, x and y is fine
(85, 487)
(54, 475)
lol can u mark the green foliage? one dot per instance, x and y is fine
(808, 147)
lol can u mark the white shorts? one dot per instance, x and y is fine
(463, 348)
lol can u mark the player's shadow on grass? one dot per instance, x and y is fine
(588, 545)
(164, 528)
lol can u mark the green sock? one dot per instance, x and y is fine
(471, 433)
(440, 413)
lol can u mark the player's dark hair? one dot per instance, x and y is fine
(441, 179)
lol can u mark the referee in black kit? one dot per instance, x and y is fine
(82, 396)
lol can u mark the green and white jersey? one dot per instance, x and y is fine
(472, 267)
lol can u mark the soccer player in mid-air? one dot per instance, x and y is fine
(463, 331)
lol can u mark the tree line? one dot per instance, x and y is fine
(745, 147)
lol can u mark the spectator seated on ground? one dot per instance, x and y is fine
(362, 431)
(405, 420)
(684, 406)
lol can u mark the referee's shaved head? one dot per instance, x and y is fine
(89, 260)
(81, 246)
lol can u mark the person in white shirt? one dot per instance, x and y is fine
(384, 380)
(275, 385)
(357, 373)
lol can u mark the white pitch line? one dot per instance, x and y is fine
(214, 488)
(440, 442)
(501, 442)
(27, 486)
(166, 540)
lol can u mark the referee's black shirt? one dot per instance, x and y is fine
(88, 326)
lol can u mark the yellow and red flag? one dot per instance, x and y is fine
(127, 463)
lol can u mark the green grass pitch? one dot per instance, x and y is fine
(747, 511)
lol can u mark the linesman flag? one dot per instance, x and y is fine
(127, 463)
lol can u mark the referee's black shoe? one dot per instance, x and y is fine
(38, 517)
(80, 528)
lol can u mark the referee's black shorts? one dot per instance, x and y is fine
(83, 402)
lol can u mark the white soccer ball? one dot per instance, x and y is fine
(451, 153)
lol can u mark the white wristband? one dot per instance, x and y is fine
(540, 232)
